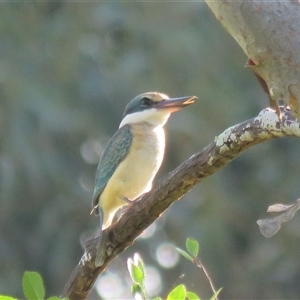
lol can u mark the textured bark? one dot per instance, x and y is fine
(269, 33)
(139, 215)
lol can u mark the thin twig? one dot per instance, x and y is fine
(200, 265)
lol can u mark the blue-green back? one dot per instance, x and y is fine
(114, 153)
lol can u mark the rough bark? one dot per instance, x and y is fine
(138, 216)
(269, 33)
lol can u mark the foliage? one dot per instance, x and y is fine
(33, 288)
(136, 268)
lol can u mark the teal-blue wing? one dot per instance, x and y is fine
(113, 155)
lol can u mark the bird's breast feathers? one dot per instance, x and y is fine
(134, 175)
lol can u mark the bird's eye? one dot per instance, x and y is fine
(145, 102)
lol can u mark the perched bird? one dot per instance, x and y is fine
(132, 157)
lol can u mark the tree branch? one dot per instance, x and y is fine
(139, 215)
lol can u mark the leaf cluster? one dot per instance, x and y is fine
(136, 268)
(33, 288)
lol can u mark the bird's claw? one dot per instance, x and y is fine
(127, 200)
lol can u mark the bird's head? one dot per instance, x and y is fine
(154, 108)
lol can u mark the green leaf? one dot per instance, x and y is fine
(137, 292)
(178, 293)
(185, 254)
(57, 298)
(215, 295)
(139, 263)
(2, 297)
(192, 296)
(135, 272)
(33, 286)
(192, 246)
(136, 269)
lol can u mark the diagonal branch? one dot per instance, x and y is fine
(138, 216)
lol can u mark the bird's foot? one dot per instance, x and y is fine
(130, 201)
(127, 200)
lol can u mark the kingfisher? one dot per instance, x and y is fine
(132, 157)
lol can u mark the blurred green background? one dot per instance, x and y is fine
(67, 70)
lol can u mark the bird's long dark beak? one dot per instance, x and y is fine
(174, 104)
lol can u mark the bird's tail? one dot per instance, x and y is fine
(101, 245)
(99, 260)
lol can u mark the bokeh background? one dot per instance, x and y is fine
(67, 70)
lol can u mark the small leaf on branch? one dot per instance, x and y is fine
(192, 246)
(185, 254)
(270, 226)
(137, 292)
(2, 297)
(192, 296)
(33, 286)
(178, 293)
(279, 207)
(136, 270)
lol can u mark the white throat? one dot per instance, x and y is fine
(153, 116)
